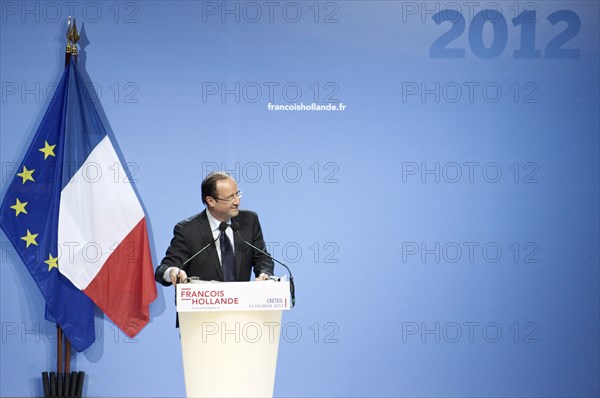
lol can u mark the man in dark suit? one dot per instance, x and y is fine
(222, 261)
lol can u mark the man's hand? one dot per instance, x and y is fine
(177, 274)
(262, 277)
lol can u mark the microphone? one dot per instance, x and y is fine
(236, 228)
(223, 226)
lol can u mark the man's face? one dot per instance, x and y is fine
(226, 204)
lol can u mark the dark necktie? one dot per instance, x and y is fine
(227, 258)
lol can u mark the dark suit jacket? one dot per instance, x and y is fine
(192, 234)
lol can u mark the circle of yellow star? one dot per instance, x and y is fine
(52, 262)
(48, 150)
(30, 238)
(19, 207)
(26, 175)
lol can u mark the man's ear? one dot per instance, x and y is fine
(210, 201)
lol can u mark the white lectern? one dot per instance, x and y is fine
(230, 336)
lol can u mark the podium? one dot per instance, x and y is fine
(230, 336)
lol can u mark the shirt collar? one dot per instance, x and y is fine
(214, 223)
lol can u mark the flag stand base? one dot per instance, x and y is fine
(62, 385)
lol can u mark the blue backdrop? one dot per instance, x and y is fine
(442, 222)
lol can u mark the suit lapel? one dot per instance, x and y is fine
(212, 253)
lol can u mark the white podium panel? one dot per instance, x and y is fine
(230, 336)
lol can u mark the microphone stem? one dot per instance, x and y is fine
(292, 287)
(265, 253)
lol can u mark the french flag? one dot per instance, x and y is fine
(101, 224)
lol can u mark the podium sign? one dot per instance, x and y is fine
(236, 296)
(230, 336)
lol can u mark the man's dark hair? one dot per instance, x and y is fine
(209, 185)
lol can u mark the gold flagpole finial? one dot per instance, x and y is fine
(69, 32)
(72, 36)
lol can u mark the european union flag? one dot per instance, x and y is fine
(29, 218)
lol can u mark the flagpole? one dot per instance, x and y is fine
(66, 385)
(71, 50)
(59, 332)
(59, 340)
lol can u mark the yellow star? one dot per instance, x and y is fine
(26, 174)
(48, 150)
(30, 238)
(52, 262)
(19, 207)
